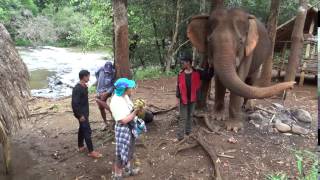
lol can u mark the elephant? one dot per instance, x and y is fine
(237, 44)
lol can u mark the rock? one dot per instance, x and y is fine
(58, 82)
(277, 106)
(256, 116)
(299, 130)
(301, 115)
(282, 127)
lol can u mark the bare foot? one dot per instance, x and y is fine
(234, 125)
(219, 115)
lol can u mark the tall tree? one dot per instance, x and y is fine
(215, 4)
(296, 41)
(121, 51)
(171, 50)
(272, 31)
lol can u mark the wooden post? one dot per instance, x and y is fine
(297, 41)
(282, 60)
(307, 55)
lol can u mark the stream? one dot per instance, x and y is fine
(54, 71)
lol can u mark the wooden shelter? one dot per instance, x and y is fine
(308, 63)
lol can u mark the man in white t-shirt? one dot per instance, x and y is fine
(123, 113)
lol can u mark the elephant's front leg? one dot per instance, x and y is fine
(220, 91)
(235, 111)
(235, 114)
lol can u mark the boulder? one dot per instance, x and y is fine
(299, 130)
(301, 115)
(282, 127)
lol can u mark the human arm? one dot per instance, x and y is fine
(178, 95)
(129, 118)
(76, 104)
(206, 74)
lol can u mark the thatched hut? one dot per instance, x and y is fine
(14, 91)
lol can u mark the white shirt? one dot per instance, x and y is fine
(120, 106)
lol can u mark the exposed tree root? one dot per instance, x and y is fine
(164, 110)
(212, 153)
(184, 148)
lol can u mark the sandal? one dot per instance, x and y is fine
(95, 154)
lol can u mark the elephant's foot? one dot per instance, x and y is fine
(219, 115)
(233, 125)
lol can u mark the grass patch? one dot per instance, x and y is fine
(152, 73)
(306, 167)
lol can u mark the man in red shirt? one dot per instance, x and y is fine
(188, 91)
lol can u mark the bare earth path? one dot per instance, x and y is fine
(46, 147)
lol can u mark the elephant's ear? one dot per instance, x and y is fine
(253, 35)
(197, 32)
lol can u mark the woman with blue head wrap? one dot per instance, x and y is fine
(123, 113)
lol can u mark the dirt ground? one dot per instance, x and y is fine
(46, 146)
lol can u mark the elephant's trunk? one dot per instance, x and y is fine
(225, 67)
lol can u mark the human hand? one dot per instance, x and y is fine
(177, 101)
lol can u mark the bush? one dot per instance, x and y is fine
(37, 30)
(151, 73)
(69, 25)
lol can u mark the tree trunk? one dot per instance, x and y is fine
(121, 57)
(157, 42)
(272, 31)
(170, 52)
(215, 4)
(296, 41)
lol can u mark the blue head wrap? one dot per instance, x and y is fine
(122, 84)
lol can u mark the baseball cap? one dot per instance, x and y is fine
(108, 67)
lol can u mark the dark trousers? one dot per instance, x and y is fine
(84, 134)
(185, 120)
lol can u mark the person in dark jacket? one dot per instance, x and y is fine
(105, 79)
(80, 107)
(188, 91)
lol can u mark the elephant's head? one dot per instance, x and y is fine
(229, 37)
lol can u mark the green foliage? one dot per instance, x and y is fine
(29, 4)
(277, 176)
(306, 164)
(99, 32)
(92, 89)
(152, 73)
(69, 25)
(23, 42)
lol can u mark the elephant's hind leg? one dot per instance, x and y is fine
(220, 91)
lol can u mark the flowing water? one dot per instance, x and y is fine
(54, 71)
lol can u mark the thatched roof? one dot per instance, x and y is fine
(14, 88)
(284, 30)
